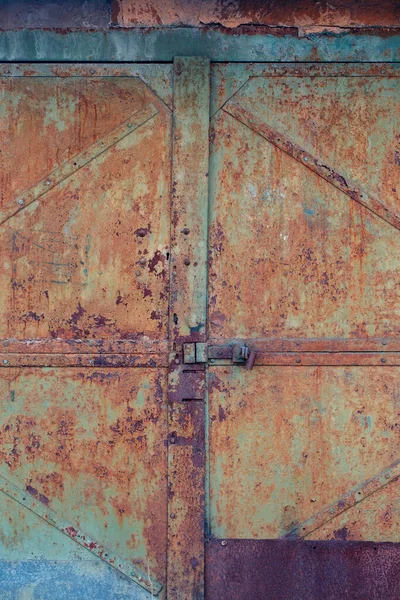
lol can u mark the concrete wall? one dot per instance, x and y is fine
(101, 14)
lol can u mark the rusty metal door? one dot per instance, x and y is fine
(140, 448)
(85, 193)
(103, 278)
(304, 454)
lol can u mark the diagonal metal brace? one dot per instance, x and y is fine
(71, 166)
(34, 502)
(345, 185)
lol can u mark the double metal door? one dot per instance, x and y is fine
(199, 331)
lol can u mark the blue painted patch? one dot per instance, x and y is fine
(309, 211)
(65, 580)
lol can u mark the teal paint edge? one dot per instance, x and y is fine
(162, 45)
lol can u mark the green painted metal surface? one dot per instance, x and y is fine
(149, 45)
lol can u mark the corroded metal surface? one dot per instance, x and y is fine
(305, 13)
(86, 260)
(345, 185)
(163, 44)
(375, 485)
(283, 570)
(186, 465)
(292, 255)
(39, 505)
(187, 325)
(287, 442)
(377, 512)
(85, 191)
(189, 205)
(90, 445)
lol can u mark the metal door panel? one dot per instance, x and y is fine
(304, 239)
(379, 511)
(291, 255)
(62, 251)
(48, 120)
(90, 444)
(288, 442)
(285, 570)
(341, 120)
(85, 236)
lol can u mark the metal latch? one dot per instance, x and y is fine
(249, 356)
(238, 353)
(195, 352)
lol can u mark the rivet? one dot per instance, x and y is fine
(20, 201)
(332, 511)
(186, 230)
(142, 262)
(306, 159)
(138, 273)
(384, 342)
(298, 360)
(5, 362)
(172, 440)
(172, 516)
(220, 352)
(92, 71)
(383, 360)
(129, 125)
(48, 182)
(387, 476)
(383, 71)
(177, 361)
(223, 543)
(186, 262)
